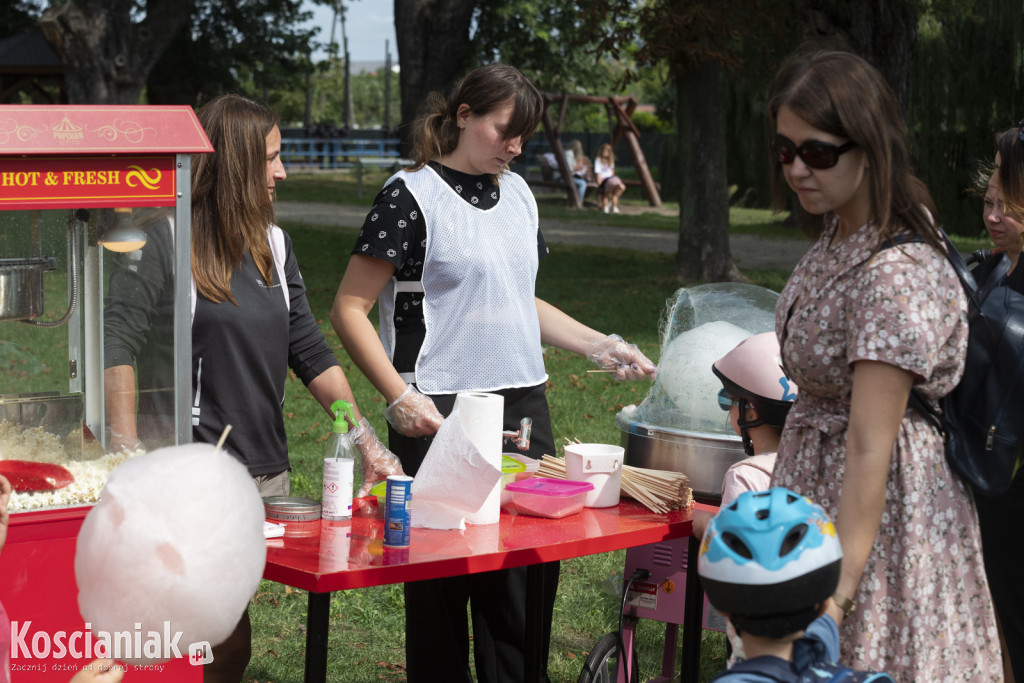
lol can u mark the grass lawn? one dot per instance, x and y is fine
(613, 291)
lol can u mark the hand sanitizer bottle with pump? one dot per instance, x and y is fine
(340, 458)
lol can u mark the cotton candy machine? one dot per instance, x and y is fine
(679, 425)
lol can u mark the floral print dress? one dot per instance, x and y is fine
(923, 606)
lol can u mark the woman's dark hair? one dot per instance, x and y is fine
(1011, 171)
(842, 94)
(231, 209)
(436, 132)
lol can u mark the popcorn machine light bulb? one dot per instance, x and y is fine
(123, 235)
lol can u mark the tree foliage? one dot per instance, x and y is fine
(173, 51)
(965, 86)
(546, 41)
(256, 47)
(18, 16)
(369, 97)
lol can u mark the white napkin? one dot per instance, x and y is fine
(454, 480)
(272, 530)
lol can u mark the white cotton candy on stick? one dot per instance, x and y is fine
(176, 539)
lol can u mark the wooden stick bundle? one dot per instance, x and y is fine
(657, 490)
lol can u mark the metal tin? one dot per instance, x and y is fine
(397, 517)
(703, 457)
(291, 509)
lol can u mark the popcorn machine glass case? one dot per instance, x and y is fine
(94, 292)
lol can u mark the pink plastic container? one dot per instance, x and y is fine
(542, 497)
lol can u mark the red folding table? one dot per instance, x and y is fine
(322, 557)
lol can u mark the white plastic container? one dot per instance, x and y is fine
(599, 464)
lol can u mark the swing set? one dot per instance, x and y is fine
(620, 110)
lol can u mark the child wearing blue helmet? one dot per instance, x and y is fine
(770, 562)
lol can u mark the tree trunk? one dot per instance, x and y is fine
(433, 41)
(106, 56)
(703, 253)
(884, 33)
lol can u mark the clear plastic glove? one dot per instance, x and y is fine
(378, 462)
(124, 442)
(413, 414)
(622, 359)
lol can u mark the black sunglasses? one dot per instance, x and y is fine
(1020, 130)
(815, 153)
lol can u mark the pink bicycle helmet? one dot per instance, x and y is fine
(752, 373)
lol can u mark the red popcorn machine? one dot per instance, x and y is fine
(94, 211)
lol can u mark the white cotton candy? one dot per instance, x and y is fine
(177, 538)
(685, 376)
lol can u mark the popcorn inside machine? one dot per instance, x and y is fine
(95, 340)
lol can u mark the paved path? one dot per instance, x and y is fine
(748, 251)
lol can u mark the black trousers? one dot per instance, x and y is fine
(436, 628)
(1004, 557)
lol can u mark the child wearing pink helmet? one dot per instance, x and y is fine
(758, 395)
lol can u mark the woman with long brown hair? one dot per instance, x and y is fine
(874, 309)
(251, 323)
(450, 252)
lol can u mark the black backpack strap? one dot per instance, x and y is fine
(897, 240)
(995, 277)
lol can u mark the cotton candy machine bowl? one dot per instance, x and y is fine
(701, 456)
(680, 426)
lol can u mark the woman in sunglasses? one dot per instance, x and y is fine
(859, 325)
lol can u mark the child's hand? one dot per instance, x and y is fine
(700, 523)
(100, 671)
(833, 610)
(5, 497)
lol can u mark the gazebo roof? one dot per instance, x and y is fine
(28, 53)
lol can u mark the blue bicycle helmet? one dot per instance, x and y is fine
(769, 559)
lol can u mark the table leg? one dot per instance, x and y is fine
(318, 614)
(690, 667)
(536, 589)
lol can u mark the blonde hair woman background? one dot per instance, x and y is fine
(610, 186)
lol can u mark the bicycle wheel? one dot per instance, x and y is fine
(602, 665)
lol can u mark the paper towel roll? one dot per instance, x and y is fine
(482, 418)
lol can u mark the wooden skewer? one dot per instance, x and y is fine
(223, 438)
(657, 490)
